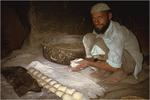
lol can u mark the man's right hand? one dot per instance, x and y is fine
(82, 64)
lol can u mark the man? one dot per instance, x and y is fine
(115, 47)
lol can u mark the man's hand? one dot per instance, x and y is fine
(82, 64)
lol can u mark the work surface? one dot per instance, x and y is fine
(127, 87)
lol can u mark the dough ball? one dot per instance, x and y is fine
(53, 82)
(78, 96)
(35, 72)
(52, 89)
(42, 83)
(43, 77)
(48, 80)
(39, 75)
(59, 93)
(70, 91)
(62, 88)
(67, 97)
(57, 85)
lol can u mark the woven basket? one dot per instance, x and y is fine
(62, 49)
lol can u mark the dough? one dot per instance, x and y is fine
(53, 82)
(39, 75)
(57, 85)
(43, 77)
(48, 80)
(59, 93)
(42, 83)
(62, 88)
(46, 86)
(78, 96)
(31, 70)
(67, 97)
(75, 63)
(70, 91)
(52, 89)
(35, 72)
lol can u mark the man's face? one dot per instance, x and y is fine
(101, 20)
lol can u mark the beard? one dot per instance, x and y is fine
(102, 30)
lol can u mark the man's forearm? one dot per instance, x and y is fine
(102, 65)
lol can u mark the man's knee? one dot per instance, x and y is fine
(89, 37)
(100, 42)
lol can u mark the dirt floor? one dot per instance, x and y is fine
(130, 87)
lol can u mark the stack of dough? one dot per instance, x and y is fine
(55, 87)
(75, 63)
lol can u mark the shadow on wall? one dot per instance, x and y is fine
(15, 26)
(68, 17)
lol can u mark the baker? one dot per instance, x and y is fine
(115, 47)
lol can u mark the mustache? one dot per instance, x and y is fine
(98, 24)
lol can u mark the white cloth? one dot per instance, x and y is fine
(81, 81)
(117, 38)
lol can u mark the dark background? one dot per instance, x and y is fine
(72, 17)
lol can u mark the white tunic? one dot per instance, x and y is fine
(117, 38)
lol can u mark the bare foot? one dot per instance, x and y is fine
(115, 77)
(98, 74)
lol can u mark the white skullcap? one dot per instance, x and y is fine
(99, 7)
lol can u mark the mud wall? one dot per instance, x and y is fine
(15, 26)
